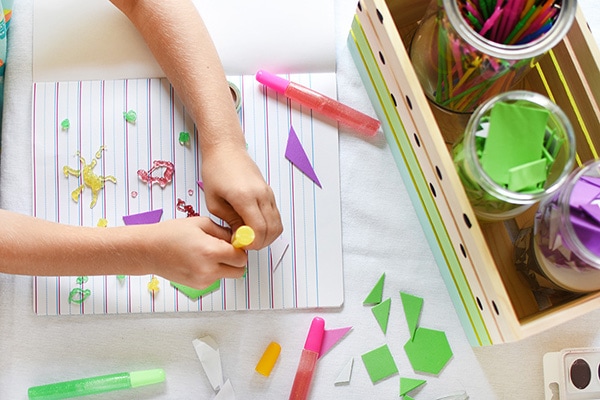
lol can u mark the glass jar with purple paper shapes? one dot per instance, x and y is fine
(566, 234)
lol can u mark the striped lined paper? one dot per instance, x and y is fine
(310, 274)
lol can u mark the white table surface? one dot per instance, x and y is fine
(381, 233)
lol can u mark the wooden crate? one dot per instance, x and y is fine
(492, 300)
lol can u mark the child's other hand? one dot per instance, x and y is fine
(193, 251)
(237, 193)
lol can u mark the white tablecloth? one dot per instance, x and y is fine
(381, 233)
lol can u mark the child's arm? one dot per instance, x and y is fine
(234, 187)
(191, 251)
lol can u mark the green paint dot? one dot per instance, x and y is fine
(130, 116)
(65, 124)
(184, 138)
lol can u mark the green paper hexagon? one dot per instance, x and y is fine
(429, 351)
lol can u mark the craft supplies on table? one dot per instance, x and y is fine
(475, 260)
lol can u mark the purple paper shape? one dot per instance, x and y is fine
(148, 217)
(297, 156)
(331, 337)
(587, 232)
(201, 185)
(591, 180)
(583, 192)
(593, 210)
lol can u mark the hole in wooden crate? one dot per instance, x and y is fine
(438, 172)
(379, 16)
(359, 6)
(495, 307)
(432, 189)
(381, 58)
(417, 140)
(394, 100)
(409, 102)
(479, 304)
(467, 221)
(463, 251)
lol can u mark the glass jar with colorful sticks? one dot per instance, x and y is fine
(467, 51)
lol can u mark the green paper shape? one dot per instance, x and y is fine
(408, 384)
(379, 363)
(527, 175)
(516, 137)
(376, 293)
(195, 293)
(429, 351)
(405, 397)
(412, 310)
(382, 313)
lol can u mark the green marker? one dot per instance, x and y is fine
(98, 384)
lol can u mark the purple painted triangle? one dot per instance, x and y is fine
(297, 156)
(148, 217)
(331, 337)
(201, 185)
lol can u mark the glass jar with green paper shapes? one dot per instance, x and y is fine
(465, 52)
(517, 148)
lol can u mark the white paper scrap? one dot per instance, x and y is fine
(226, 393)
(210, 357)
(345, 374)
(278, 249)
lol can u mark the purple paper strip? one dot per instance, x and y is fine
(149, 217)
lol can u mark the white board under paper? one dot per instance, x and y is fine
(310, 274)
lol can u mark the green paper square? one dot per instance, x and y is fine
(516, 137)
(527, 175)
(379, 363)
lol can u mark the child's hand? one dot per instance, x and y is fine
(193, 251)
(237, 193)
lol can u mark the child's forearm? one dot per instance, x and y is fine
(178, 39)
(31, 246)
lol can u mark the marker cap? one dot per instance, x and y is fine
(269, 358)
(147, 377)
(273, 81)
(243, 236)
(315, 335)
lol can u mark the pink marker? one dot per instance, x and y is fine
(308, 360)
(325, 105)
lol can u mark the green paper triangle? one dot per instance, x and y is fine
(382, 313)
(195, 293)
(408, 384)
(412, 310)
(406, 397)
(376, 294)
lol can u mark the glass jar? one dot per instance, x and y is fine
(460, 68)
(495, 195)
(566, 234)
